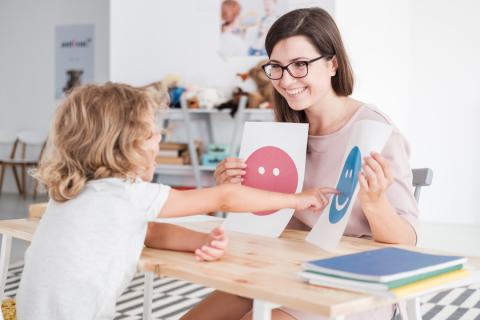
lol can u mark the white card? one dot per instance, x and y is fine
(275, 155)
(367, 136)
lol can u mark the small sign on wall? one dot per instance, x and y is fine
(74, 57)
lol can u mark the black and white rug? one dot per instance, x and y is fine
(172, 298)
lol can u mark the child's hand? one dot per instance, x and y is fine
(374, 179)
(315, 198)
(215, 245)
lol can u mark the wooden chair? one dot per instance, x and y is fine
(19, 158)
(7, 140)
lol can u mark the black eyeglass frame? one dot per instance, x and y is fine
(288, 65)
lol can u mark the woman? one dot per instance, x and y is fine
(313, 81)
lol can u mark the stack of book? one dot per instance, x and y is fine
(175, 153)
(389, 272)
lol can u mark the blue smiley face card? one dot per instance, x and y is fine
(346, 186)
(366, 136)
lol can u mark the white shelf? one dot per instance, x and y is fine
(199, 172)
(180, 169)
(178, 113)
(225, 111)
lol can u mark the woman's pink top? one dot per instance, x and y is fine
(324, 162)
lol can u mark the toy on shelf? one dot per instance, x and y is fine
(158, 92)
(233, 103)
(255, 85)
(215, 154)
(175, 89)
(263, 97)
(206, 98)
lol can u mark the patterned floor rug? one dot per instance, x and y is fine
(172, 298)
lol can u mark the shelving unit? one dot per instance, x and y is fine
(187, 115)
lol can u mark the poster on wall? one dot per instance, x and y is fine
(245, 23)
(367, 136)
(74, 57)
(275, 162)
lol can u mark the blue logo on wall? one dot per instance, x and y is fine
(346, 186)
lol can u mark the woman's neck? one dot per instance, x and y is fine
(330, 114)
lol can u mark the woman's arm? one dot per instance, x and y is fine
(386, 225)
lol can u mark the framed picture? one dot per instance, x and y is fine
(245, 23)
(74, 57)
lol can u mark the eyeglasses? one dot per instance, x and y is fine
(297, 69)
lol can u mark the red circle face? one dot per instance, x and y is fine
(271, 169)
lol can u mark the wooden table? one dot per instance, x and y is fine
(260, 268)
(265, 269)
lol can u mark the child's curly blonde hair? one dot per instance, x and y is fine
(96, 133)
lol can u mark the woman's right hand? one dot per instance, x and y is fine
(230, 170)
(315, 199)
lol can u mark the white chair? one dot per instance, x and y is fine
(422, 177)
(26, 152)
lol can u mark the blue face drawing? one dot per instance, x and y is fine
(346, 186)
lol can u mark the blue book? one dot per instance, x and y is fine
(383, 265)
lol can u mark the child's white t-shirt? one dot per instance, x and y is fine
(85, 251)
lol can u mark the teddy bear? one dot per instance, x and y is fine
(263, 96)
(255, 85)
(158, 92)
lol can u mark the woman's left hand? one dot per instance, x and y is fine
(374, 179)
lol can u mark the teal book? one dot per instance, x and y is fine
(383, 265)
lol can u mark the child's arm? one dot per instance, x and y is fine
(238, 198)
(207, 246)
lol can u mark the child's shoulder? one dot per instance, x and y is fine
(127, 187)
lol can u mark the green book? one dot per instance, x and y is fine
(327, 279)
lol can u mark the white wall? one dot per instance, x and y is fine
(150, 39)
(376, 34)
(418, 61)
(27, 53)
(445, 106)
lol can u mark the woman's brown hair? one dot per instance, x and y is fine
(97, 133)
(320, 29)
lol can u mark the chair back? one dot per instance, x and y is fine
(7, 139)
(422, 177)
(34, 141)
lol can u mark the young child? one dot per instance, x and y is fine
(86, 247)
